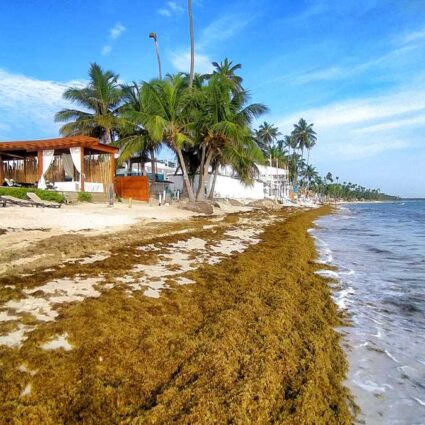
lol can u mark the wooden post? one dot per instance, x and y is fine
(39, 165)
(111, 170)
(25, 169)
(1, 171)
(83, 169)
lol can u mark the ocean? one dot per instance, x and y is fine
(378, 250)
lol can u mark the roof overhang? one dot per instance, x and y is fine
(86, 142)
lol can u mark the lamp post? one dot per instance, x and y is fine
(155, 40)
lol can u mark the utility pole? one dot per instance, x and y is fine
(155, 40)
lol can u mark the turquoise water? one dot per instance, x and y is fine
(379, 252)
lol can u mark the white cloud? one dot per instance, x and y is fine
(217, 31)
(223, 28)
(175, 7)
(359, 128)
(415, 121)
(28, 106)
(181, 62)
(116, 31)
(172, 8)
(164, 12)
(410, 37)
(106, 50)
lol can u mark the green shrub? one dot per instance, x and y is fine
(21, 193)
(84, 197)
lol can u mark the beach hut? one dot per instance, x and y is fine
(69, 164)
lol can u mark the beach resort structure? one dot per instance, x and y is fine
(83, 163)
(68, 164)
(270, 182)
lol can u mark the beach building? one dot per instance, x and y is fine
(270, 182)
(67, 164)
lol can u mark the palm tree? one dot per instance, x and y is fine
(310, 174)
(286, 143)
(134, 136)
(304, 135)
(192, 43)
(266, 136)
(99, 100)
(227, 70)
(167, 105)
(223, 123)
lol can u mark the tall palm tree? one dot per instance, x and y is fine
(99, 101)
(309, 174)
(227, 70)
(223, 123)
(192, 43)
(304, 135)
(134, 138)
(167, 118)
(266, 136)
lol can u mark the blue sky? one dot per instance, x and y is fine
(355, 68)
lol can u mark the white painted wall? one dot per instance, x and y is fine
(225, 187)
(230, 187)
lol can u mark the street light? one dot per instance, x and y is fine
(155, 40)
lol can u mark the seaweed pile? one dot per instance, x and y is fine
(253, 340)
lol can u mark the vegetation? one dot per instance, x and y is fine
(21, 193)
(99, 101)
(84, 197)
(347, 191)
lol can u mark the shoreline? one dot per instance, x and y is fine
(251, 329)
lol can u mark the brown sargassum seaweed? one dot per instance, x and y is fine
(252, 342)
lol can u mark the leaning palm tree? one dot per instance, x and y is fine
(223, 123)
(99, 102)
(167, 104)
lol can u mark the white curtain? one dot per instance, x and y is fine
(68, 165)
(76, 159)
(48, 156)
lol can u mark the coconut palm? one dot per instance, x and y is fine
(223, 123)
(309, 174)
(167, 118)
(286, 143)
(266, 136)
(227, 70)
(304, 135)
(134, 137)
(99, 101)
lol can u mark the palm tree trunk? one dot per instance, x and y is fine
(203, 177)
(212, 188)
(107, 137)
(192, 44)
(185, 176)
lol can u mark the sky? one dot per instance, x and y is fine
(354, 68)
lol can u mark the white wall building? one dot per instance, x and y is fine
(271, 182)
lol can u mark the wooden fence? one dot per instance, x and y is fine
(134, 187)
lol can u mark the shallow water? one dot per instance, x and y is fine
(379, 252)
